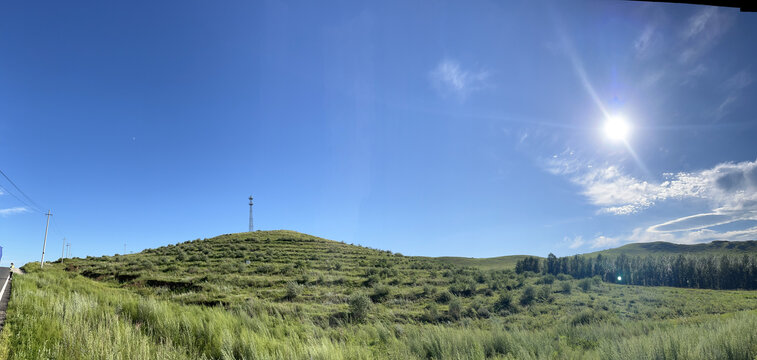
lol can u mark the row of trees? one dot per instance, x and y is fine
(707, 272)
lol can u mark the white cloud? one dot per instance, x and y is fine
(604, 241)
(574, 243)
(449, 77)
(620, 194)
(12, 211)
(729, 188)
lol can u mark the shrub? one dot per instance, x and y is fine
(505, 304)
(528, 296)
(455, 309)
(371, 280)
(359, 306)
(380, 293)
(466, 287)
(431, 314)
(444, 297)
(546, 279)
(585, 284)
(293, 290)
(545, 293)
(566, 287)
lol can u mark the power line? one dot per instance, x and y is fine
(33, 204)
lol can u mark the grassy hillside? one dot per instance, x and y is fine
(286, 295)
(665, 248)
(493, 263)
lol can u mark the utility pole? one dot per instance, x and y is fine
(44, 244)
(63, 250)
(250, 213)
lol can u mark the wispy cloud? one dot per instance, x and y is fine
(643, 43)
(729, 188)
(450, 78)
(12, 211)
(575, 242)
(702, 31)
(733, 88)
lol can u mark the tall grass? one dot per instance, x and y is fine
(55, 315)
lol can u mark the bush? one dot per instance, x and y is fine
(505, 304)
(380, 293)
(431, 314)
(585, 284)
(545, 293)
(528, 296)
(371, 280)
(566, 287)
(546, 279)
(465, 287)
(455, 309)
(359, 307)
(293, 290)
(444, 297)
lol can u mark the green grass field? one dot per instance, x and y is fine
(493, 263)
(286, 295)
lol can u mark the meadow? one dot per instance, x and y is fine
(286, 295)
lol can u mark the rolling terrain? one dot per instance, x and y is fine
(287, 295)
(660, 248)
(492, 263)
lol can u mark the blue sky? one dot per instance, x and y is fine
(465, 128)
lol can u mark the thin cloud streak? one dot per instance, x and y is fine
(13, 211)
(450, 78)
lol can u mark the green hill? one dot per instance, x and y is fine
(287, 295)
(493, 263)
(665, 248)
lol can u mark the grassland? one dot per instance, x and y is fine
(492, 263)
(285, 295)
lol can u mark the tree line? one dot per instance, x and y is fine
(704, 272)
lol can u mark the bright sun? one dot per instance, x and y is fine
(617, 129)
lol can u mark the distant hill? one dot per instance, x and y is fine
(493, 263)
(659, 248)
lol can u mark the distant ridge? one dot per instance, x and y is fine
(659, 248)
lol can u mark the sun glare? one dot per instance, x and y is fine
(617, 129)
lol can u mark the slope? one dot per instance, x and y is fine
(665, 248)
